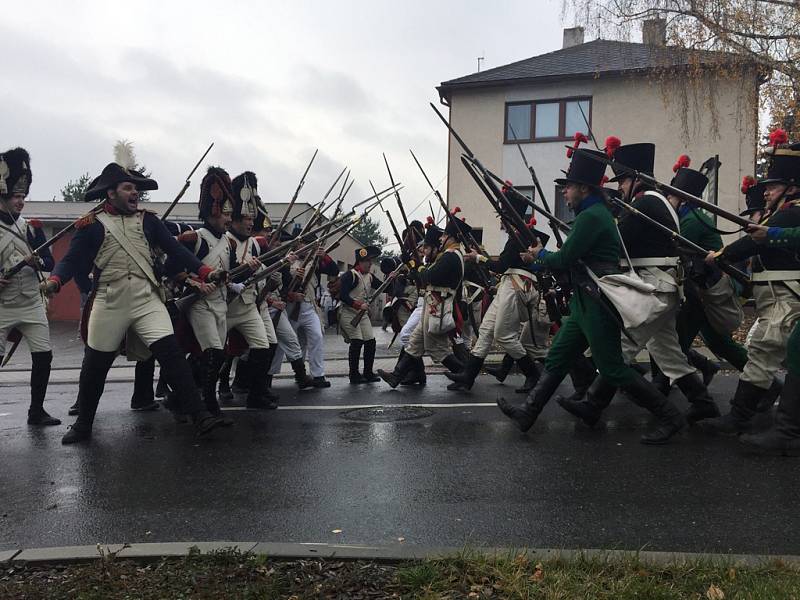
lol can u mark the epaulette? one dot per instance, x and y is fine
(84, 222)
(188, 236)
(262, 241)
(148, 210)
(35, 223)
(232, 243)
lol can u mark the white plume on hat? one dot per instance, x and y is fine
(123, 154)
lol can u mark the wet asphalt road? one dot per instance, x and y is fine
(462, 475)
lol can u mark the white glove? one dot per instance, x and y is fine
(236, 288)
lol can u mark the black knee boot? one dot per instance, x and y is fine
(269, 395)
(465, 379)
(211, 364)
(303, 379)
(669, 419)
(416, 376)
(531, 370)
(243, 376)
(526, 414)
(702, 404)
(598, 396)
(258, 369)
(460, 352)
(178, 376)
(369, 362)
(354, 360)
(224, 392)
(501, 371)
(405, 364)
(453, 364)
(583, 374)
(744, 406)
(784, 437)
(708, 368)
(94, 371)
(658, 378)
(143, 398)
(40, 377)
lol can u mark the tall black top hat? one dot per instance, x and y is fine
(784, 160)
(584, 169)
(686, 179)
(641, 157)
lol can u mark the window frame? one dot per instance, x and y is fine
(562, 119)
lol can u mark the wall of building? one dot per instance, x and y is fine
(635, 109)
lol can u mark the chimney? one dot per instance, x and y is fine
(573, 37)
(654, 32)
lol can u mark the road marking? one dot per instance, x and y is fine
(353, 406)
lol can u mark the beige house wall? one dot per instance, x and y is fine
(635, 109)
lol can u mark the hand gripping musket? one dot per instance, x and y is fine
(22, 264)
(185, 302)
(262, 274)
(277, 231)
(311, 269)
(537, 185)
(381, 288)
(186, 184)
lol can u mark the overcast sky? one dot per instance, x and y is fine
(268, 82)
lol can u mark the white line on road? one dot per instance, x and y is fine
(353, 406)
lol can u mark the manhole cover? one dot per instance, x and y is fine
(387, 414)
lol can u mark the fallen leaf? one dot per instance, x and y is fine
(401, 539)
(336, 531)
(715, 593)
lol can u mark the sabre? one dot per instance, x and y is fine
(185, 185)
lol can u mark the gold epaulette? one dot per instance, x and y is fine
(84, 222)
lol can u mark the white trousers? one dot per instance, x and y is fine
(414, 318)
(308, 328)
(288, 344)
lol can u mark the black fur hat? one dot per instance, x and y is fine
(245, 195)
(15, 172)
(216, 195)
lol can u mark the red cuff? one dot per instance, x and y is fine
(325, 260)
(204, 272)
(55, 278)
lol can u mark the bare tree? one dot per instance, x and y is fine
(761, 32)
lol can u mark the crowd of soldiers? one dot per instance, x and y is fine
(641, 268)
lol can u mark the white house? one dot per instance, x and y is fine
(702, 104)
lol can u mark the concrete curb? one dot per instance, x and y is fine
(390, 554)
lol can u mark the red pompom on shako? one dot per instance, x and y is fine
(532, 222)
(604, 180)
(578, 139)
(507, 186)
(429, 222)
(748, 181)
(778, 137)
(456, 210)
(612, 143)
(683, 162)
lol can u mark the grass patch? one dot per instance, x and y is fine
(231, 574)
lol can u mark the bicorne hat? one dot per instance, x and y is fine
(112, 176)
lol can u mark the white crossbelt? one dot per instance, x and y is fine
(656, 261)
(776, 276)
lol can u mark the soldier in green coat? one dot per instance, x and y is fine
(693, 319)
(592, 243)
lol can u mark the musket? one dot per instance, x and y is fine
(185, 184)
(469, 242)
(396, 233)
(724, 265)
(321, 205)
(301, 213)
(514, 217)
(669, 189)
(186, 301)
(537, 185)
(396, 195)
(294, 197)
(545, 213)
(381, 288)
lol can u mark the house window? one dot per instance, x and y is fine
(563, 211)
(547, 120)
